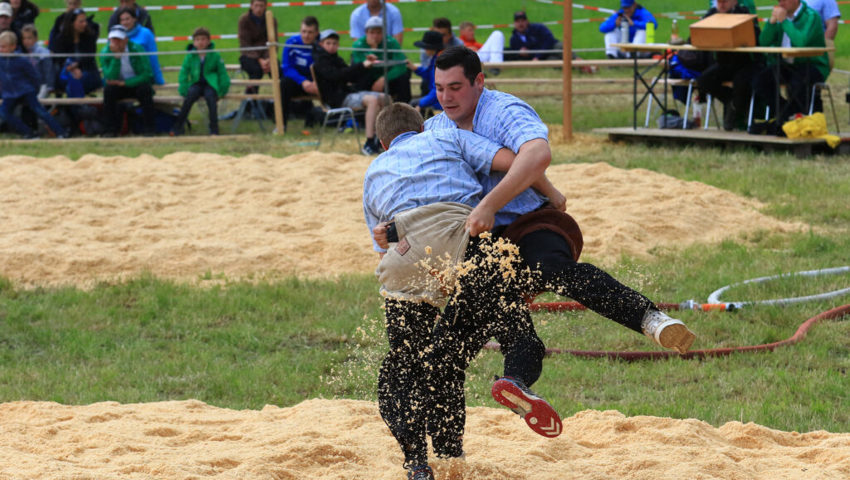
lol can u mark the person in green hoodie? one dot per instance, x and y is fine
(792, 24)
(125, 76)
(203, 74)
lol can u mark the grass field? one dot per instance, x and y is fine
(243, 345)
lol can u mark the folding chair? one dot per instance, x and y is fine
(824, 86)
(340, 115)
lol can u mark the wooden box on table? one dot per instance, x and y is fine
(724, 30)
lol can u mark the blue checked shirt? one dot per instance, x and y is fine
(508, 121)
(421, 169)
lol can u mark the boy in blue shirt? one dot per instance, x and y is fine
(636, 19)
(296, 79)
(21, 83)
(428, 185)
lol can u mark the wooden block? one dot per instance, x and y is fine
(724, 30)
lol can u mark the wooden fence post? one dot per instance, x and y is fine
(275, 71)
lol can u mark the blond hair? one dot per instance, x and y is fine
(396, 119)
(8, 38)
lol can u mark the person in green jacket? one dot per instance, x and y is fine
(202, 75)
(397, 77)
(792, 24)
(125, 76)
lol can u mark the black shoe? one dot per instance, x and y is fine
(30, 136)
(369, 149)
(422, 472)
(729, 116)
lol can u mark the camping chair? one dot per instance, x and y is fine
(340, 115)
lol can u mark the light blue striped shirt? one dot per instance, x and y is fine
(421, 169)
(508, 121)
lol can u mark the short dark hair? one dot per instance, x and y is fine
(311, 21)
(395, 119)
(460, 55)
(201, 32)
(131, 11)
(442, 22)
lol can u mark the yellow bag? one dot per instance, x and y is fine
(811, 126)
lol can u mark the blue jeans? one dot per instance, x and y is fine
(32, 102)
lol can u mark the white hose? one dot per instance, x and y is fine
(715, 295)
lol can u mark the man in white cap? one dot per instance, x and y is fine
(125, 76)
(372, 8)
(6, 19)
(397, 75)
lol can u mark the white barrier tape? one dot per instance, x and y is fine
(218, 6)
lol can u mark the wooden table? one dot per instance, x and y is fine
(639, 76)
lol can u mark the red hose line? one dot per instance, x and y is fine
(833, 314)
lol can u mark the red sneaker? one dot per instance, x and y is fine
(538, 414)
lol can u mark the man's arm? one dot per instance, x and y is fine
(528, 166)
(545, 188)
(831, 28)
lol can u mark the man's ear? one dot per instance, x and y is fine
(384, 145)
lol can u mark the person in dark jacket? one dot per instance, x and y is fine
(20, 84)
(142, 16)
(336, 80)
(77, 74)
(6, 15)
(528, 37)
(252, 33)
(24, 12)
(203, 74)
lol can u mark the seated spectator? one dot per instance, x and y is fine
(70, 6)
(635, 18)
(397, 76)
(125, 76)
(24, 12)
(6, 19)
(203, 74)
(528, 37)
(76, 75)
(20, 85)
(252, 33)
(296, 79)
(40, 60)
(791, 23)
(492, 50)
(738, 68)
(141, 35)
(372, 8)
(432, 44)
(444, 27)
(336, 83)
(142, 16)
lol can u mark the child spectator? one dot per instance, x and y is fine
(397, 76)
(432, 44)
(202, 75)
(42, 63)
(492, 50)
(335, 79)
(20, 84)
(141, 35)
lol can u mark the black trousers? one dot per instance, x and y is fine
(420, 384)
(112, 94)
(290, 89)
(195, 92)
(712, 79)
(252, 67)
(799, 78)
